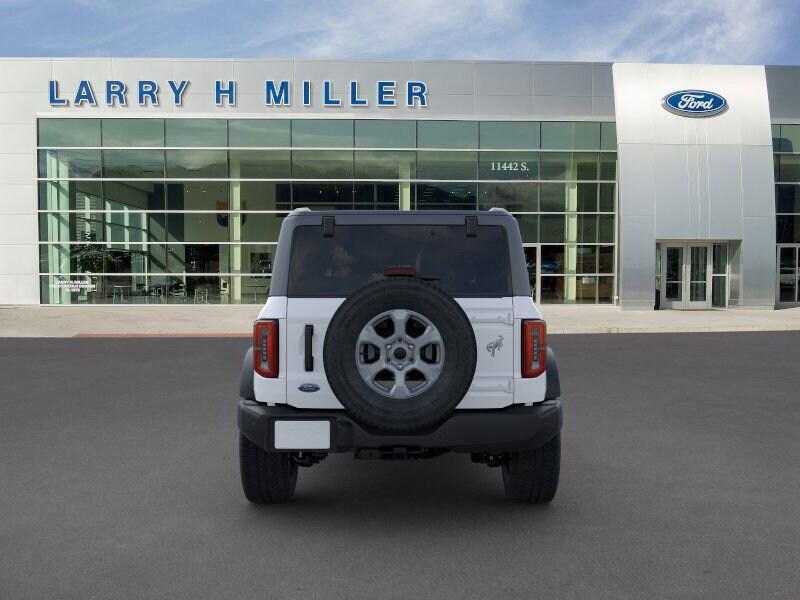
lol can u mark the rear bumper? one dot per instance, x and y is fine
(490, 431)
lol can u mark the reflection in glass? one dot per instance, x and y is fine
(552, 288)
(552, 259)
(69, 132)
(552, 228)
(198, 195)
(264, 133)
(197, 164)
(70, 195)
(322, 133)
(510, 134)
(522, 197)
(447, 165)
(454, 196)
(528, 227)
(447, 134)
(62, 164)
(322, 164)
(133, 132)
(197, 132)
(385, 165)
(383, 133)
(260, 164)
(133, 163)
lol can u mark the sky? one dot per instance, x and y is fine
(684, 31)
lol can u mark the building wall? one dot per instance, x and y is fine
(456, 90)
(694, 178)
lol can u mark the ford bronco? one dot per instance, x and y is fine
(398, 335)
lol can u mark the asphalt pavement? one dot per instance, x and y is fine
(680, 479)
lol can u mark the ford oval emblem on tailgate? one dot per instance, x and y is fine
(308, 387)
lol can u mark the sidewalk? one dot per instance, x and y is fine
(235, 320)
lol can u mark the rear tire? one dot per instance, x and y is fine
(267, 477)
(532, 475)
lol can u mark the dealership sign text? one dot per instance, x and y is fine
(275, 93)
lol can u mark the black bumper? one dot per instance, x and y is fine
(490, 431)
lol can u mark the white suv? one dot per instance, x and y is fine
(398, 335)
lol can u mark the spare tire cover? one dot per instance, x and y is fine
(399, 354)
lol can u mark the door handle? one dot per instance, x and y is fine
(309, 356)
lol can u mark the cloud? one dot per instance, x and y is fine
(725, 31)
(730, 31)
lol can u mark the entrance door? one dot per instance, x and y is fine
(686, 276)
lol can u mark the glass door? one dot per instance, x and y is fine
(788, 275)
(686, 276)
(672, 257)
(698, 269)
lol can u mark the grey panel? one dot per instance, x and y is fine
(513, 78)
(562, 79)
(561, 107)
(516, 106)
(675, 214)
(783, 87)
(758, 262)
(637, 270)
(602, 80)
(758, 182)
(725, 200)
(636, 184)
(603, 107)
(446, 77)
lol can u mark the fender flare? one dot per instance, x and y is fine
(246, 390)
(553, 380)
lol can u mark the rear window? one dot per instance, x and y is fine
(359, 254)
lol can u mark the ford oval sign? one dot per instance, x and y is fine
(695, 103)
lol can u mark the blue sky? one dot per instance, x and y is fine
(704, 31)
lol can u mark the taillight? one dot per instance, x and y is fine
(265, 348)
(534, 348)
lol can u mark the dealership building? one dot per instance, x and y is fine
(126, 181)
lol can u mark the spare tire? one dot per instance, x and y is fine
(399, 355)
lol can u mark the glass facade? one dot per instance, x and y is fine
(188, 210)
(786, 145)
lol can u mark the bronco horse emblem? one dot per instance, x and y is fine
(494, 346)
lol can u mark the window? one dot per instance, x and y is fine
(264, 133)
(322, 164)
(66, 164)
(133, 132)
(67, 133)
(322, 133)
(125, 164)
(514, 197)
(198, 195)
(212, 192)
(385, 164)
(375, 133)
(197, 132)
(508, 165)
(197, 164)
(447, 165)
(260, 164)
(358, 254)
(510, 134)
(447, 134)
(570, 135)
